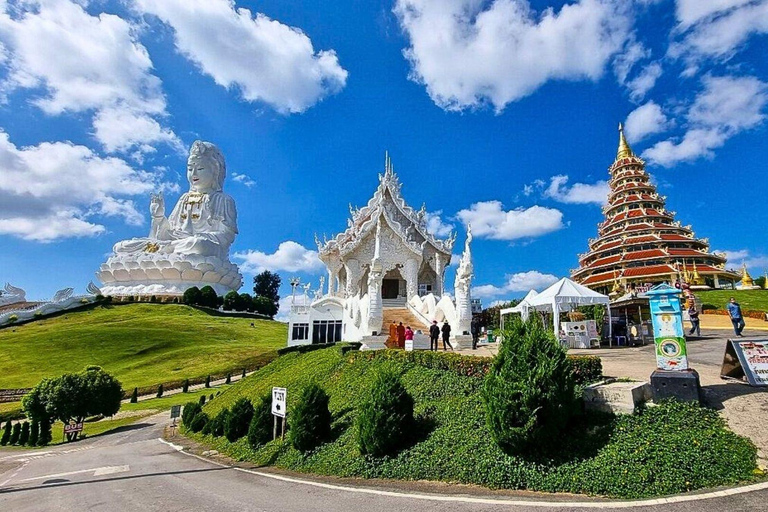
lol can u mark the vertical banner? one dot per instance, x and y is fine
(667, 320)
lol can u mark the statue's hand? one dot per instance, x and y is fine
(157, 205)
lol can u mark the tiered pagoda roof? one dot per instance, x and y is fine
(640, 241)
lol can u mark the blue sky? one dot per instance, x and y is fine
(502, 114)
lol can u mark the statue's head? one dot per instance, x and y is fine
(206, 169)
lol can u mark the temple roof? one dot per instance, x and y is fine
(387, 201)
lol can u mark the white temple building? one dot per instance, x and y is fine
(386, 266)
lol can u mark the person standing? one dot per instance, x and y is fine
(434, 335)
(446, 330)
(474, 330)
(693, 315)
(401, 335)
(734, 310)
(392, 332)
(408, 335)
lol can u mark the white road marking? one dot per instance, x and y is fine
(492, 501)
(105, 470)
(14, 473)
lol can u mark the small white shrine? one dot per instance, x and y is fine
(386, 266)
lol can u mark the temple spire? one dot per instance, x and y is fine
(624, 150)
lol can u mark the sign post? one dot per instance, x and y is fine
(672, 378)
(279, 407)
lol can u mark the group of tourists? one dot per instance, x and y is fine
(399, 334)
(734, 312)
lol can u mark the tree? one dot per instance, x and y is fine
(310, 422)
(385, 419)
(190, 410)
(160, 391)
(202, 400)
(760, 281)
(231, 301)
(529, 392)
(260, 429)
(34, 433)
(246, 302)
(208, 297)
(185, 386)
(267, 284)
(15, 434)
(45, 433)
(6, 433)
(238, 420)
(24, 437)
(135, 395)
(74, 396)
(265, 306)
(192, 296)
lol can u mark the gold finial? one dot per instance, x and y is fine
(746, 279)
(624, 150)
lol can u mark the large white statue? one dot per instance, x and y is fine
(188, 248)
(11, 295)
(461, 285)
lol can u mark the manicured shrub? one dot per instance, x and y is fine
(15, 434)
(34, 433)
(160, 391)
(45, 433)
(385, 419)
(208, 297)
(232, 302)
(185, 386)
(216, 426)
(243, 375)
(238, 420)
(24, 437)
(190, 410)
(202, 400)
(199, 422)
(192, 296)
(210, 397)
(265, 306)
(6, 433)
(529, 393)
(260, 429)
(153, 298)
(310, 422)
(229, 379)
(135, 395)
(208, 381)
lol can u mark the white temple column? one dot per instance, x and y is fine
(411, 275)
(331, 281)
(440, 275)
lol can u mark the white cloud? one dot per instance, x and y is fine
(436, 226)
(289, 256)
(633, 52)
(689, 12)
(83, 63)
(244, 179)
(756, 263)
(644, 81)
(53, 190)
(578, 193)
(520, 282)
(645, 120)
(490, 220)
(263, 58)
(470, 53)
(726, 106)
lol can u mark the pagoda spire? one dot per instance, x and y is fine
(624, 150)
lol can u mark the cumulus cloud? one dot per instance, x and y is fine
(436, 226)
(578, 193)
(726, 106)
(85, 63)
(645, 120)
(289, 256)
(469, 53)
(55, 189)
(490, 220)
(244, 179)
(644, 81)
(736, 258)
(520, 282)
(261, 57)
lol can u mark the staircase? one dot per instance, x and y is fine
(404, 315)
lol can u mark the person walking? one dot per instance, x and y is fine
(446, 330)
(434, 335)
(408, 335)
(474, 330)
(401, 335)
(693, 315)
(737, 319)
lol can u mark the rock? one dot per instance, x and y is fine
(617, 397)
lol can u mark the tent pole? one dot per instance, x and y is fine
(610, 326)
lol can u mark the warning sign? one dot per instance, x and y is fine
(746, 360)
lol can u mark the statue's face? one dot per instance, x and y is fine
(201, 174)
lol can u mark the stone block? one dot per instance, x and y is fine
(616, 397)
(680, 384)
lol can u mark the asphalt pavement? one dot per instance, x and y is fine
(133, 470)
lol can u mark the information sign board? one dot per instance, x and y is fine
(279, 401)
(667, 320)
(579, 334)
(71, 428)
(746, 360)
(175, 411)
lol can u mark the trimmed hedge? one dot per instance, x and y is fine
(238, 420)
(303, 349)
(385, 419)
(191, 409)
(709, 309)
(309, 425)
(260, 429)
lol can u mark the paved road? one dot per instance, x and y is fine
(132, 470)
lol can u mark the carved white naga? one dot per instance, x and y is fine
(462, 285)
(62, 295)
(11, 295)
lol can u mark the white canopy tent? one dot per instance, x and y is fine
(522, 308)
(566, 295)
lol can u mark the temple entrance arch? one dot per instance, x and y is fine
(392, 285)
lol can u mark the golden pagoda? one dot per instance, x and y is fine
(639, 243)
(747, 283)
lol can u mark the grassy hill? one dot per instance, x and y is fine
(668, 449)
(749, 299)
(142, 344)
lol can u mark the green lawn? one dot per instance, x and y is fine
(141, 344)
(748, 299)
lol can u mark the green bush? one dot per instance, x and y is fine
(185, 386)
(15, 434)
(229, 379)
(586, 369)
(190, 410)
(529, 393)
(208, 297)
(215, 427)
(24, 437)
(135, 395)
(243, 375)
(199, 422)
(202, 400)
(34, 433)
(208, 381)
(6, 433)
(192, 296)
(160, 391)
(238, 420)
(45, 433)
(232, 302)
(309, 424)
(260, 429)
(385, 419)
